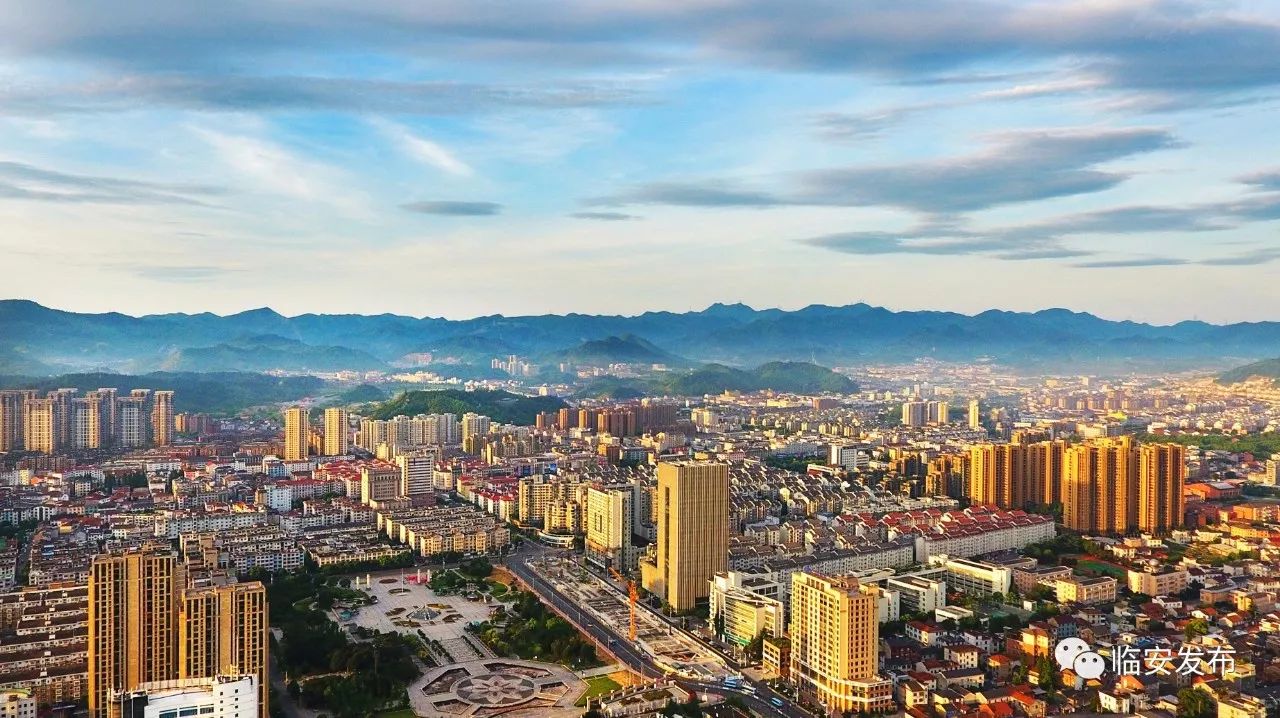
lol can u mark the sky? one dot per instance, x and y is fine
(441, 158)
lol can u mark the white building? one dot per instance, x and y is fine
(17, 703)
(218, 697)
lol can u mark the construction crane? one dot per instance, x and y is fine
(633, 597)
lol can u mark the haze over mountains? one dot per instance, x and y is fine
(38, 340)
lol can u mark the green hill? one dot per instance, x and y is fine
(361, 394)
(501, 406)
(1267, 369)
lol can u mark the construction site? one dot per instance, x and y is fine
(618, 607)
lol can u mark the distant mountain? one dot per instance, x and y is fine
(1265, 369)
(267, 352)
(626, 349)
(219, 393)
(732, 335)
(500, 406)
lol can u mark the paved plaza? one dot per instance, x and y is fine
(489, 687)
(407, 607)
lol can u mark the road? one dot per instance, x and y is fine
(636, 658)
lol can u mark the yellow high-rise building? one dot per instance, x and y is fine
(693, 531)
(337, 440)
(1100, 487)
(1162, 470)
(223, 629)
(297, 433)
(132, 623)
(40, 426)
(162, 418)
(146, 624)
(835, 643)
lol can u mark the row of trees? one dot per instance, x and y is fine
(528, 629)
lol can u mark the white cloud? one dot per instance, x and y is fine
(423, 150)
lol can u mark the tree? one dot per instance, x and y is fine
(1196, 627)
(1195, 703)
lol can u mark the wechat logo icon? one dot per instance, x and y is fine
(1075, 654)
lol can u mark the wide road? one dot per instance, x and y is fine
(635, 657)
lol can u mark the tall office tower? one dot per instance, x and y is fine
(162, 418)
(131, 422)
(975, 414)
(40, 425)
(835, 643)
(143, 399)
(417, 470)
(337, 441)
(475, 425)
(132, 623)
(297, 433)
(609, 516)
(915, 413)
(13, 419)
(693, 530)
(222, 628)
(86, 413)
(1162, 469)
(1099, 487)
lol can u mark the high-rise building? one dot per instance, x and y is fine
(40, 425)
(86, 418)
(915, 413)
(62, 415)
(109, 413)
(938, 412)
(132, 623)
(1162, 469)
(147, 626)
(142, 398)
(131, 421)
(337, 430)
(975, 414)
(693, 531)
(162, 418)
(1017, 475)
(475, 425)
(223, 628)
(835, 643)
(417, 470)
(609, 516)
(379, 482)
(1099, 487)
(297, 433)
(13, 414)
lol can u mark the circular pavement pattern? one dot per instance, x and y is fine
(495, 690)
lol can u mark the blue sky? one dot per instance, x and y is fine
(464, 158)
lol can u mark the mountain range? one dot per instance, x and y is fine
(39, 340)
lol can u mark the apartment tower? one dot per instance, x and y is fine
(337, 440)
(297, 433)
(835, 643)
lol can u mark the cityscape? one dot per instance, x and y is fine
(641, 359)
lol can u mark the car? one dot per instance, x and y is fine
(777, 702)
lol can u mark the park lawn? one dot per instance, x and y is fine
(598, 686)
(1102, 567)
(402, 713)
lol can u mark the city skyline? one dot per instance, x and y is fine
(1101, 157)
